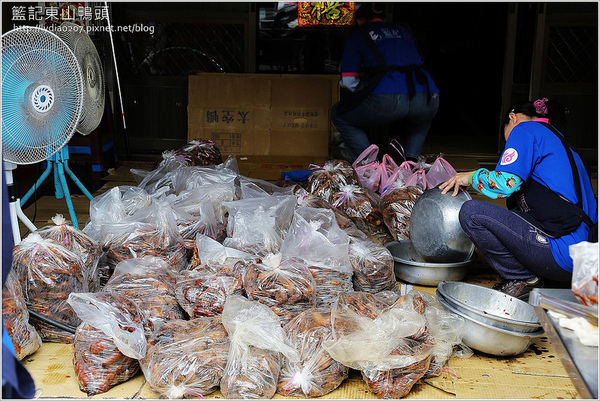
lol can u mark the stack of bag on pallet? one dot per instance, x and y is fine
(206, 280)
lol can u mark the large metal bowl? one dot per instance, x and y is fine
(410, 267)
(435, 230)
(490, 306)
(493, 340)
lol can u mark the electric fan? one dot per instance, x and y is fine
(91, 115)
(93, 78)
(42, 102)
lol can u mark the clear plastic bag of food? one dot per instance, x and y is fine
(330, 283)
(362, 206)
(98, 363)
(258, 344)
(49, 272)
(148, 281)
(396, 207)
(395, 383)
(114, 205)
(109, 342)
(213, 257)
(198, 201)
(151, 232)
(230, 164)
(186, 358)
(256, 188)
(584, 283)
(138, 174)
(373, 266)
(24, 336)
(367, 328)
(189, 178)
(315, 237)
(200, 152)
(448, 330)
(306, 199)
(190, 225)
(317, 373)
(77, 241)
(331, 177)
(204, 294)
(258, 225)
(285, 285)
(115, 315)
(159, 179)
(385, 336)
(358, 203)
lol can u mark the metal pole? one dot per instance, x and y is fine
(112, 46)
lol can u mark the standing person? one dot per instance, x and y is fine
(398, 86)
(550, 201)
(16, 380)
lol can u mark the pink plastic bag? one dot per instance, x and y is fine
(440, 171)
(418, 179)
(368, 168)
(406, 168)
(406, 164)
(389, 172)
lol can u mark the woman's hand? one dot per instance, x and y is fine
(459, 180)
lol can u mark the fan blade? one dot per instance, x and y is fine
(93, 77)
(42, 94)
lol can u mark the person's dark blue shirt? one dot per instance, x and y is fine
(16, 380)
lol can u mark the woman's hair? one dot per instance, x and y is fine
(541, 108)
(370, 11)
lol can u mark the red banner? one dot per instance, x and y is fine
(327, 13)
(75, 12)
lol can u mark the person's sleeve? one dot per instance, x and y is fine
(495, 184)
(518, 157)
(352, 83)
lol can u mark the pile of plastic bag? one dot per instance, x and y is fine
(207, 280)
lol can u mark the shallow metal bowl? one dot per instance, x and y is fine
(493, 340)
(490, 306)
(409, 266)
(435, 230)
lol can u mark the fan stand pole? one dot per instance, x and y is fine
(15, 210)
(72, 176)
(62, 191)
(58, 164)
(37, 184)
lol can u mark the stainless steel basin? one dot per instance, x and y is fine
(410, 267)
(490, 306)
(493, 340)
(435, 230)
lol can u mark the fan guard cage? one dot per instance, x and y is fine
(42, 94)
(93, 78)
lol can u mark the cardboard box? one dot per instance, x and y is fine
(269, 168)
(263, 114)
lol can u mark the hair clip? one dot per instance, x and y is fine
(540, 106)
